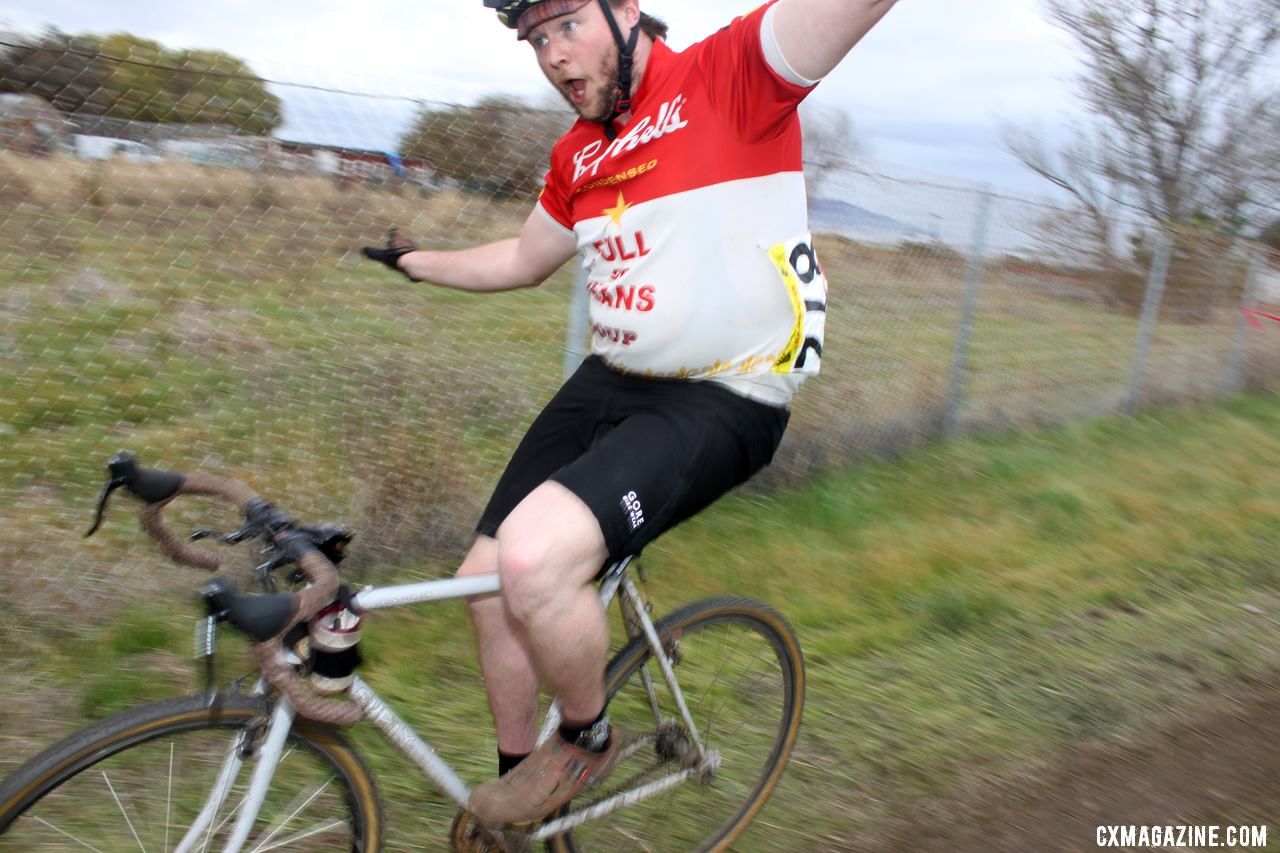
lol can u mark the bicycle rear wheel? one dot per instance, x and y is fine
(740, 669)
(137, 781)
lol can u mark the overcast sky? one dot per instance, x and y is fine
(925, 89)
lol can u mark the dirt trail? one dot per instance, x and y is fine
(1219, 766)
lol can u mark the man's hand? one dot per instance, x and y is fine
(397, 246)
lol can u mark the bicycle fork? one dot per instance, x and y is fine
(268, 757)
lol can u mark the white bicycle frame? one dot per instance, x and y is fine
(404, 738)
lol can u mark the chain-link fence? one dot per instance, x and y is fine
(195, 295)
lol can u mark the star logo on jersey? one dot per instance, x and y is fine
(615, 213)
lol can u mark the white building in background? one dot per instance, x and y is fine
(30, 125)
(88, 147)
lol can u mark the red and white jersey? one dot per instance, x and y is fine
(692, 223)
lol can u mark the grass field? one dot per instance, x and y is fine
(965, 610)
(966, 607)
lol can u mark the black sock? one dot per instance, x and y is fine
(507, 761)
(592, 735)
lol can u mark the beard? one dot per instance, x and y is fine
(603, 107)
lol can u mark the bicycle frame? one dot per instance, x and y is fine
(404, 738)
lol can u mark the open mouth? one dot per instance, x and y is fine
(577, 90)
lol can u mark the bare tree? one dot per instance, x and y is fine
(1184, 125)
(831, 144)
(1089, 226)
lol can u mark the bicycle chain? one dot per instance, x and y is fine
(639, 776)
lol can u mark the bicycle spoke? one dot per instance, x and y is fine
(180, 763)
(723, 657)
(216, 830)
(168, 800)
(301, 835)
(123, 814)
(285, 822)
(44, 822)
(734, 664)
(732, 699)
(215, 825)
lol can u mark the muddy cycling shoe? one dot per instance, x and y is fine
(551, 776)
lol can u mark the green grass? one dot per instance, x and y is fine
(964, 607)
(963, 610)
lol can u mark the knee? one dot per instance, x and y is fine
(528, 584)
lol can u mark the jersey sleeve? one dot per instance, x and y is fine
(751, 85)
(554, 198)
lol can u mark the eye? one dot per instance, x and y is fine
(569, 26)
(538, 41)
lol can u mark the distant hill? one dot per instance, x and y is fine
(832, 215)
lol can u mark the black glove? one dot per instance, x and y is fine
(396, 246)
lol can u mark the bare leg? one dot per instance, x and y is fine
(549, 550)
(509, 675)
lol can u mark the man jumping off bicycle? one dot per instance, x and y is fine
(681, 186)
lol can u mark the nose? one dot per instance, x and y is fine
(557, 53)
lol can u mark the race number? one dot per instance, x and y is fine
(797, 264)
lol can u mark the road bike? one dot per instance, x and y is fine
(710, 695)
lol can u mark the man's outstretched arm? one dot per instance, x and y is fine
(523, 261)
(814, 35)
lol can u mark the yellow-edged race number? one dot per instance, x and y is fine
(797, 264)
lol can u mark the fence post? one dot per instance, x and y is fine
(1233, 382)
(575, 335)
(968, 315)
(1151, 300)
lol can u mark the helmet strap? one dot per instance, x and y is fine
(626, 58)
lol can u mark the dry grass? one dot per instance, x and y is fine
(216, 321)
(209, 316)
(176, 189)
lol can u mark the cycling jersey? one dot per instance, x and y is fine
(692, 223)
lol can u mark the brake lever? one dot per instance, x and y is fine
(112, 484)
(246, 532)
(264, 574)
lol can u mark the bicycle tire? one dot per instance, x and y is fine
(48, 803)
(677, 819)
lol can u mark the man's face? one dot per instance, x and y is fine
(578, 54)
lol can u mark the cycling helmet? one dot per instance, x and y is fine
(523, 15)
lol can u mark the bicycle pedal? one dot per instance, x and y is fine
(468, 835)
(514, 841)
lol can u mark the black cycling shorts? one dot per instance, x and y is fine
(642, 454)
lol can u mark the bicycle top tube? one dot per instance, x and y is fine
(416, 593)
(440, 590)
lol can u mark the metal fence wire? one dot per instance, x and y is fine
(196, 295)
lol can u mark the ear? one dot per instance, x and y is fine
(629, 14)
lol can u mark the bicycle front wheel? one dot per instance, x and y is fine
(741, 672)
(138, 781)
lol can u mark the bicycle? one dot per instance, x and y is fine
(714, 690)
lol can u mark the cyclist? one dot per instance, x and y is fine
(681, 187)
